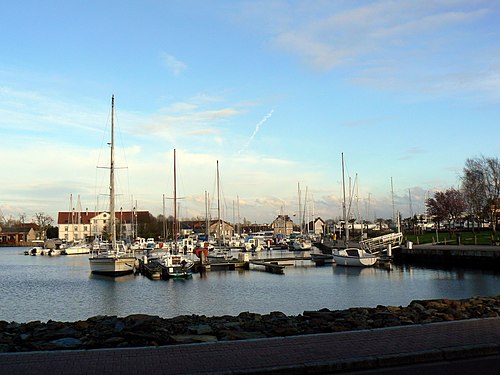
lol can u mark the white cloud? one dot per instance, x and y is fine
(174, 65)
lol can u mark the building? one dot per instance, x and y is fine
(221, 229)
(76, 226)
(20, 235)
(282, 225)
(316, 226)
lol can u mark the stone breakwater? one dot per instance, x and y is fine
(146, 330)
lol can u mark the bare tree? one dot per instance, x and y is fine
(44, 222)
(481, 183)
(473, 188)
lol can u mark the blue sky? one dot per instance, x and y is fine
(275, 91)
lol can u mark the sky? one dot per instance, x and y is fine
(274, 92)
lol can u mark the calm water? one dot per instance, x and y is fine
(62, 288)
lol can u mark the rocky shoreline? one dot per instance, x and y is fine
(146, 330)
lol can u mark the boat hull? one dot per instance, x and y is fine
(175, 272)
(112, 266)
(76, 250)
(354, 258)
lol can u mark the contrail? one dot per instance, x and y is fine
(257, 127)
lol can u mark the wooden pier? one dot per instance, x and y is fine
(272, 267)
(153, 271)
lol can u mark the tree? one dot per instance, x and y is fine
(44, 222)
(481, 183)
(436, 208)
(52, 232)
(448, 205)
(473, 187)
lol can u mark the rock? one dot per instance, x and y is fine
(201, 329)
(67, 343)
(145, 330)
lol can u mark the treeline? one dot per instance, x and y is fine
(476, 201)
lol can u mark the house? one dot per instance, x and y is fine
(20, 235)
(221, 229)
(282, 225)
(316, 226)
(75, 226)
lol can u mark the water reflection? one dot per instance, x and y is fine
(62, 288)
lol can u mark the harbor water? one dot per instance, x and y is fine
(63, 289)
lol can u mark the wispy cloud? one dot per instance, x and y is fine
(173, 64)
(410, 153)
(339, 36)
(411, 46)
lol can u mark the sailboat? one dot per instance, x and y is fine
(112, 258)
(351, 256)
(172, 263)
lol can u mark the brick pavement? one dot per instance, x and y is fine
(366, 350)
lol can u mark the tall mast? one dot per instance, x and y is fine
(218, 207)
(164, 219)
(393, 209)
(112, 177)
(300, 208)
(175, 206)
(344, 213)
(207, 222)
(239, 221)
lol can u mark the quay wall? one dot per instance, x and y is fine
(146, 330)
(470, 256)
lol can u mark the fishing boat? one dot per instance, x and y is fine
(112, 258)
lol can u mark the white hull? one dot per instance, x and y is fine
(112, 266)
(354, 258)
(74, 250)
(302, 245)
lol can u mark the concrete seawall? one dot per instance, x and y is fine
(473, 256)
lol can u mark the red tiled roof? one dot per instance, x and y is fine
(85, 217)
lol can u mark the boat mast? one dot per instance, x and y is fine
(175, 207)
(207, 221)
(112, 177)
(343, 203)
(218, 208)
(300, 208)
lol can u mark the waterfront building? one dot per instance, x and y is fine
(316, 226)
(282, 225)
(76, 226)
(220, 229)
(22, 234)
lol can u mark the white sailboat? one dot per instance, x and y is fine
(112, 258)
(172, 263)
(353, 256)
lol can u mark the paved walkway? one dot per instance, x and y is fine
(438, 346)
